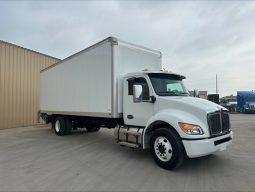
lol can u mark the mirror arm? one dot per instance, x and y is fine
(153, 99)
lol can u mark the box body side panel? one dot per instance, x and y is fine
(80, 84)
(130, 59)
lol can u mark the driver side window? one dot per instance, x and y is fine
(139, 81)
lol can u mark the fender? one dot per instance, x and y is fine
(173, 117)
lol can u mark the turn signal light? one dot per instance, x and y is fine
(191, 129)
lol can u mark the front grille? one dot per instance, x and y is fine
(225, 122)
(218, 122)
(214, 123)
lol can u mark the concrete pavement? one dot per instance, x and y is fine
(35, 159)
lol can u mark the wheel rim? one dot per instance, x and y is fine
(163, 148)
(57, 126)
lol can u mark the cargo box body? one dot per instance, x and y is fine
(89, 83)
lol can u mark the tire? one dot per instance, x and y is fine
(59, 126)
(68, 125)
(92, 129)
(167, 149)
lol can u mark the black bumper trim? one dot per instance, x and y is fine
(218, 142)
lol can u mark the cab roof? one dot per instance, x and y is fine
(145, 72)
(246, 93)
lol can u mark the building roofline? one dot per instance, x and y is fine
(12, 44)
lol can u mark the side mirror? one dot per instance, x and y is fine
(137, 93)
(196, 94)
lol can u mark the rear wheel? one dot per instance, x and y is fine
(59, 125)
(68, 125)
(166, 148)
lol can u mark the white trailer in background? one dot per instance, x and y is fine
(120, 85)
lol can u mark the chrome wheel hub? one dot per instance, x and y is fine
(163, 148)
(57, 126)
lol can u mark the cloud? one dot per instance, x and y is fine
(197, 38)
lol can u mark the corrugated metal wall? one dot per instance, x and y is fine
(19, 84)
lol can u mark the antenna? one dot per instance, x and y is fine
(216, 84)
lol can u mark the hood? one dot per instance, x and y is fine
(189, 104)
(231, 103)
(250, 102)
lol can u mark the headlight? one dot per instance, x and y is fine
(191, 129)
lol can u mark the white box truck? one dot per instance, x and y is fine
(120, 85)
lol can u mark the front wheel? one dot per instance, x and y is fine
(166, 148)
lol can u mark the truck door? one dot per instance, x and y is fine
(137, 113)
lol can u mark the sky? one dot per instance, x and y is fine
(198, 39)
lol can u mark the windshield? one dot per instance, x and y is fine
(168, 84)
(249, 99)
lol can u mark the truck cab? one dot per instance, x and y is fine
(246, 101)
(159, 114)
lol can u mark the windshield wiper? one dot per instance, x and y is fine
(168, 93)
(172, 93)
(183, 93)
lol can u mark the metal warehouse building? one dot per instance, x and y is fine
(19, 84)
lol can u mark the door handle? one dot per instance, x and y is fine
(130, 116)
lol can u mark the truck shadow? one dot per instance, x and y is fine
(105, 137)
(207, 163)
(213, 162)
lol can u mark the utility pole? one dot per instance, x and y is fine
(216, 84)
